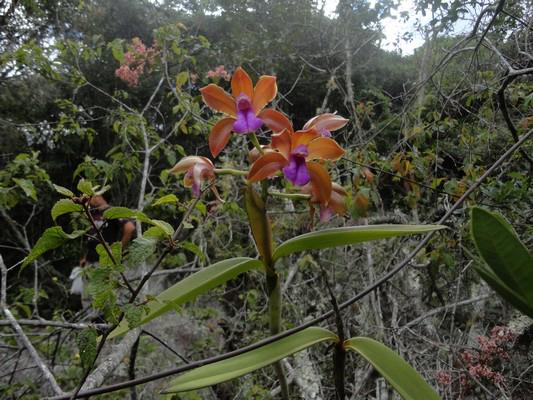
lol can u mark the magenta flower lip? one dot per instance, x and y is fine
(246, 121)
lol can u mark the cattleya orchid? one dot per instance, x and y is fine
(244, 106)
(335, 205)
(294, 153)
(196, 169)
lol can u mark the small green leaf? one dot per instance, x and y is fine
(27, 187)
(250, 361)
(181, 79)
(139, 250)
(63, 190)
(104, 258)
(133, 314)
(155, 232)
(193, 286)
(85, 187)
(506, 257)
(51, 239)
(193, 249)
(86, 341)
(169, 198)
(403, 378)
(65, 206)
(164, 226)
(124, 212)
(336, 237)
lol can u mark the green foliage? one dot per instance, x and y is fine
(191, 287)
(52, 238)
(336, 237)
(86, 341)
(407, 382)
(250, 361)
(65, 206)
(508, 264)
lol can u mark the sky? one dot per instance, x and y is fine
(392, 28)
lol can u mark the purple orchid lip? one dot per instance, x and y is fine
(246, 121)
(297, 171)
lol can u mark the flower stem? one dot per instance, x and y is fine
(230, 171)
(274, 308)
(255, 142)
(292, 196)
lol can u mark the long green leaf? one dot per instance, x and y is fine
(191, 287)
(248, 362)
(407, 382)
(348, 235)
(503, 252)
(504, 291)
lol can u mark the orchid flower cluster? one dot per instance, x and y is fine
(299, 156)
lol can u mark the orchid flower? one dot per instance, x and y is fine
(244, 107)
(294, 156)
(324, 124)
(196, 169)
(335, 204)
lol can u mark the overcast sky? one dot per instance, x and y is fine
(392, 28)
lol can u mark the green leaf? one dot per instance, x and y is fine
(403, 378)
(169, 198)
(336, 237)
(191, 287)
(181, 79)
(505, 255)
(86, 341)
(164, 226)
(63, 190)
(193, 249)
(139, 250)
(250, 361)
(260, 225)
(503, 290)
(124, 212)
(27, 187)
(155, 232)
(85, 187)
(51, 239)
(133, 314)
(65, 206)
(104, 258)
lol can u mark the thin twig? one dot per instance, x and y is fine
(21, 337)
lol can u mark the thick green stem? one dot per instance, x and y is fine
(274, 308)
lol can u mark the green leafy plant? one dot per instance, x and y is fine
(507, 263)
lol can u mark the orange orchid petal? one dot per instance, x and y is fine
(220, 134)
(303, 137)
(264, 92)
(337, 200)
(267, 165)
(320, 182)
(188, 162)
(254, 154)
(282, 142)
(275, 120)
(328, 121)
(218, 99)
(325, 149)
(241, 83)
